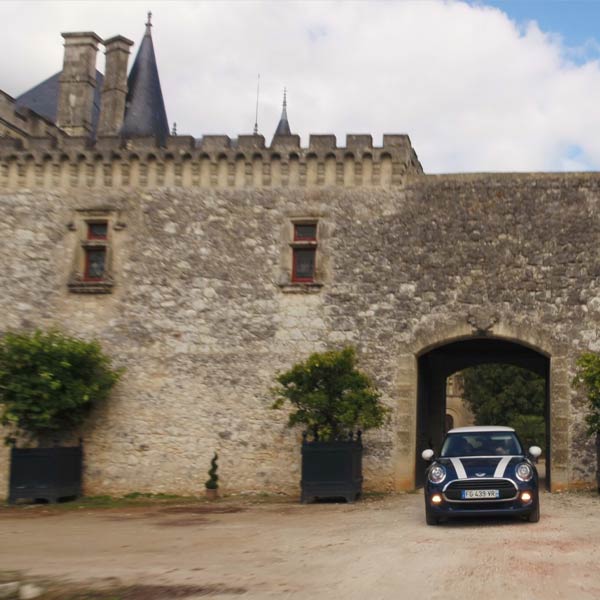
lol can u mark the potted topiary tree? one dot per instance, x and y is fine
(335, 402)
(212, 483)
(48, 384)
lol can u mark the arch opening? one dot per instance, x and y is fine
(438, 364)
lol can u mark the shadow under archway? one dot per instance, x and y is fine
(437, 364)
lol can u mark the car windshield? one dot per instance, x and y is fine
(481, 443)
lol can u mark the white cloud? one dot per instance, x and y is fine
(474, 90)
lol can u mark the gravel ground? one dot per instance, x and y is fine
(379, 548)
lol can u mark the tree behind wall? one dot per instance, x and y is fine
(587, 378)
(508, 395)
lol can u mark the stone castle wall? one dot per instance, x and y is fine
(18, 124)
(203, 313)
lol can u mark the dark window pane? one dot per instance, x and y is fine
(95, 260)
(305, 231)
(304, 265)
(97, 231)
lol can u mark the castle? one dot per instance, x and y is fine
(206, 265)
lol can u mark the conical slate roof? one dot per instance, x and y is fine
(283, 127)
(145, 113)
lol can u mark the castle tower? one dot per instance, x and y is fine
(283, 127)
(145, 113)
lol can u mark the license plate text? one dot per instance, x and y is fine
(479, 494)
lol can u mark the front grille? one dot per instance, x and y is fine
(507, 488)
(462, 507)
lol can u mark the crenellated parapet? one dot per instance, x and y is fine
(213, 161)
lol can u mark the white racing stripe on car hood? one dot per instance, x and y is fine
(502, 464)
(458, 467)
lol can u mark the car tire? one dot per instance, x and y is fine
(430, 519)
(534, 515)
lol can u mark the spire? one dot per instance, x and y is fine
(283, 128)
(145, 113)
(256, 114)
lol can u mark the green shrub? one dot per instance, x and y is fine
(50, 381)
(330, 396)
(213, 482)
(531, 430)
(499, 393)
(587, 377)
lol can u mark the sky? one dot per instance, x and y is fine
(506, 85)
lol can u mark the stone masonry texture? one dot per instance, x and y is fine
(202, 315)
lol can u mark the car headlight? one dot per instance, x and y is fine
(524, 472)
(437, 474)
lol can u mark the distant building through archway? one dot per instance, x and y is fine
(458, 413)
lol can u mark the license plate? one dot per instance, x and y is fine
(479, 494)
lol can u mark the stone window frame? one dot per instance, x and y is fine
(78, 282)
(304, 243)
(286, 281)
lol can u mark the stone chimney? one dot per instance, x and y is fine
(77, 83)
(114, 89)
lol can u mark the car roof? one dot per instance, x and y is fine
(480, 429)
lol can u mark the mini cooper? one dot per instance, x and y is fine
(481, 471)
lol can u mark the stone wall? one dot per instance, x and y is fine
(18, 124)
(456, 406)
(203, 313)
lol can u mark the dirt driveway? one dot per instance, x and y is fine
(375, 549)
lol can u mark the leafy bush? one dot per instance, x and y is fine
(50, 381)
(330, 395)
(587, 377)
(531, 430)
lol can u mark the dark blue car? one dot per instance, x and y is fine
(481, 471)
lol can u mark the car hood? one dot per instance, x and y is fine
(466, 467)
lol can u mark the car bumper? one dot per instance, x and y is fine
(449, 510)
(482, 508)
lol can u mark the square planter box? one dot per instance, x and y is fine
(45, 473)
(331, 470)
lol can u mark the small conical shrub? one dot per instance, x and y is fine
(213, 482)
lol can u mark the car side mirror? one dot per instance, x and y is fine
(427, 454)
(535, 451)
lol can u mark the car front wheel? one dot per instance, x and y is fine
(429, 518)
(534, 515)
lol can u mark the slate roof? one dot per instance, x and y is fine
(145, 113)
(43, 98)
(283, 127)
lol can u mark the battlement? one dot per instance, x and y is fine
(111, 131)
(213, 161)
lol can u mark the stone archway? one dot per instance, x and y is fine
(437, 364)
(439, 332)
